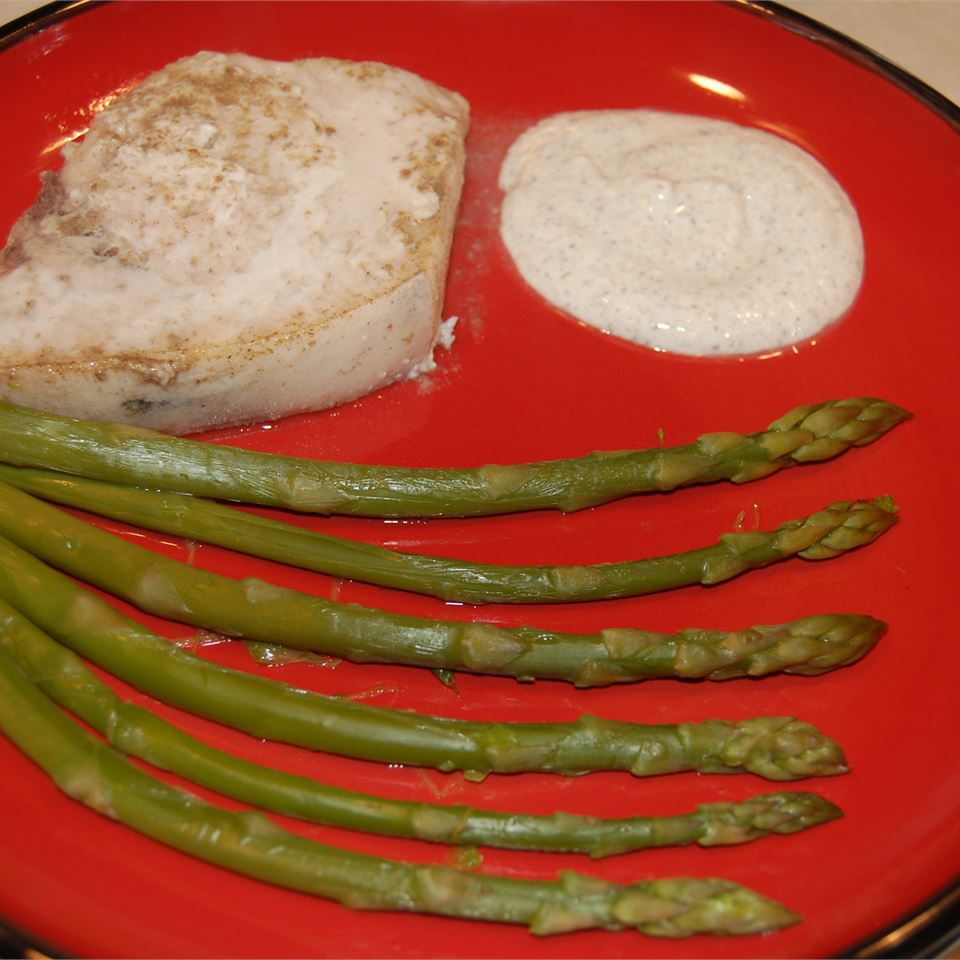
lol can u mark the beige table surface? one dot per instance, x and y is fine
(922, 36)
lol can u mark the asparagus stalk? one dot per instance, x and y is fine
(256, 610)
(249, 843)
(778, 748)
(442, 577)
(136, 456)
(138, 732)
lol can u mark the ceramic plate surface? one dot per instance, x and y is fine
(523, 381)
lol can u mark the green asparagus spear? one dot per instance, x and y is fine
(249, 843)
(133, 730)
(779, 748)
(442, 577)
(256, 610)
(143, 457)
(840, 527)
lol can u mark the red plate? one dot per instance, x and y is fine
(523, 381)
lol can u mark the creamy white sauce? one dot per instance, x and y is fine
(682, 233)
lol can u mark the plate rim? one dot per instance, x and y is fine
(933, 926)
